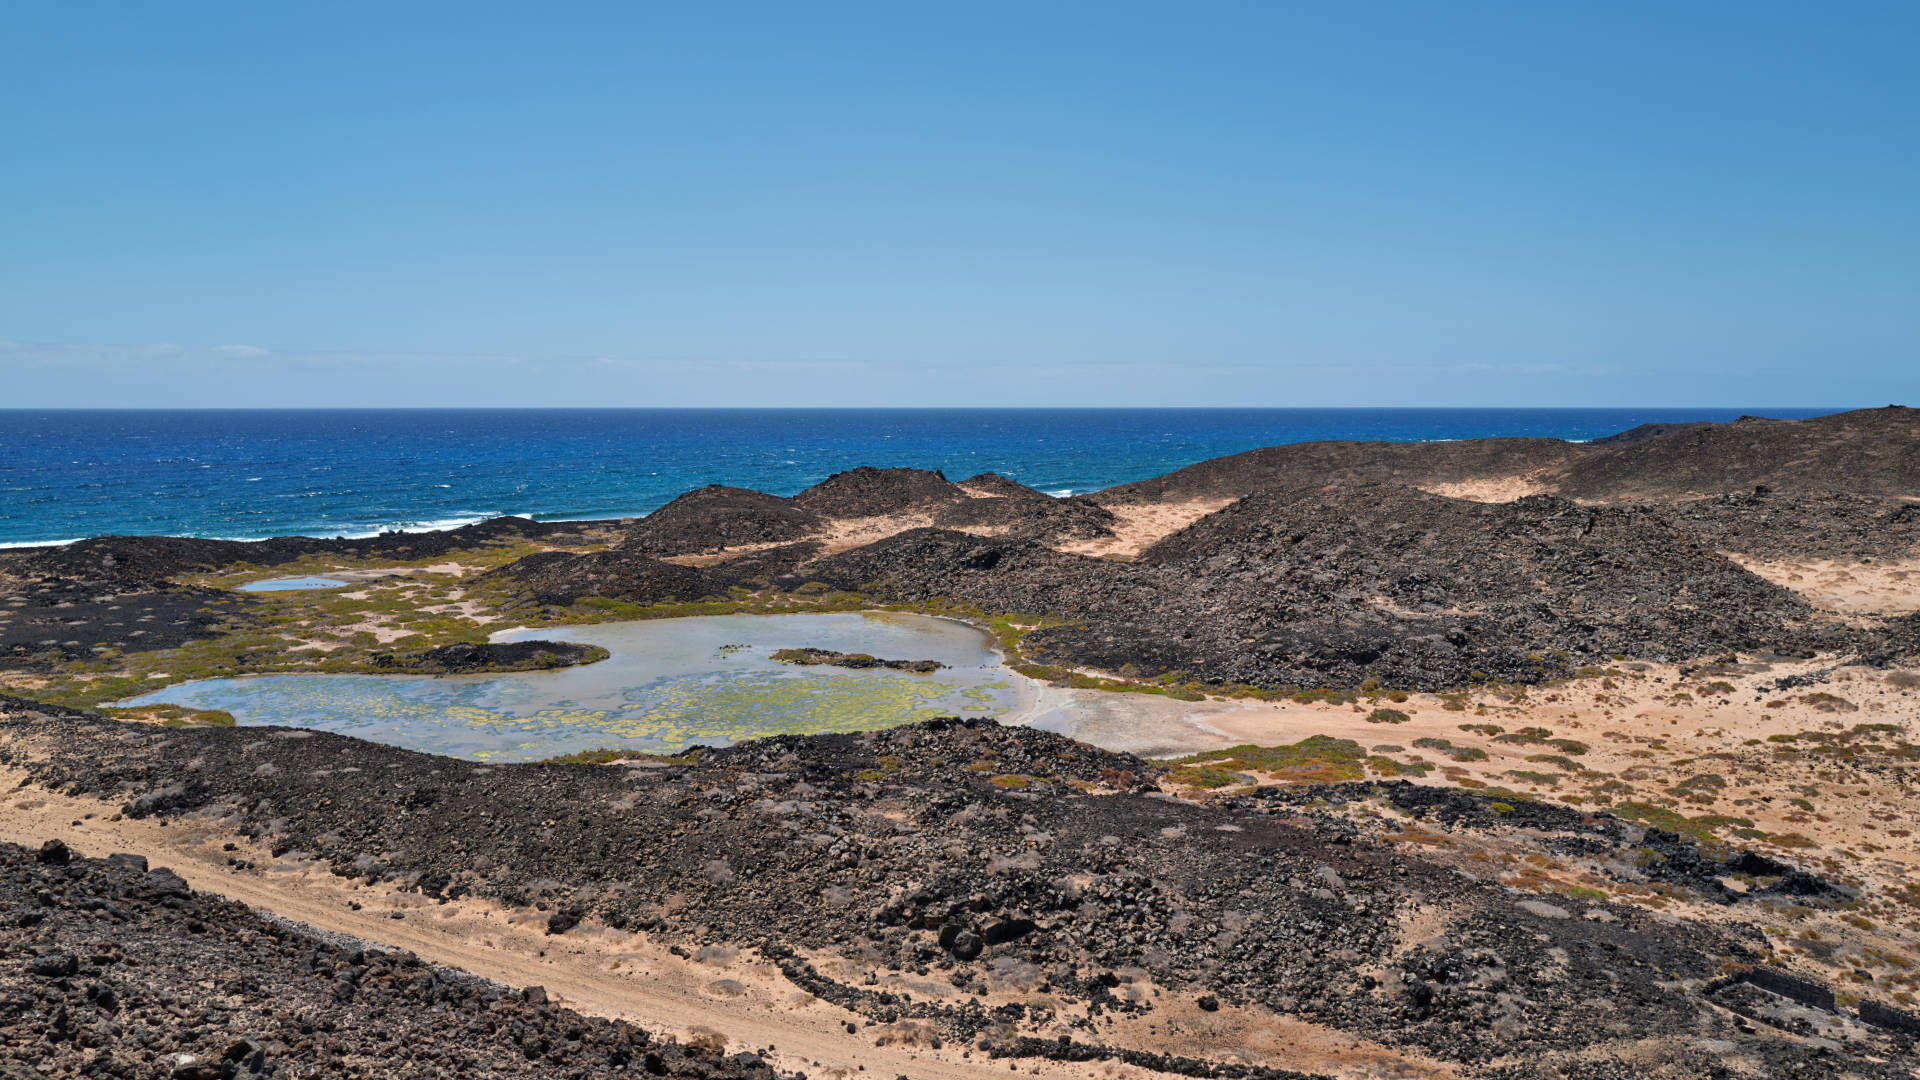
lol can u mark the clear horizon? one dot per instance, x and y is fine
(1823, 410)
(746, 205)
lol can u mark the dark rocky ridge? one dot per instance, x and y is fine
(110, 970)
(867, 492)
(1867, 451)
(147, 561)
(1645, 432)
(1331, 587)
(118, 591)
(716, 516)
(558, 577)
(1022, 511)
(1297, 464)
(909, 856)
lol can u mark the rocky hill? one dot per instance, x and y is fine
(718, 516)
(870, 492)
(1297, 464)
(1331, 587)
(113, 969)
(1867, 451)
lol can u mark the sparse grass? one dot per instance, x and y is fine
(1457, 753)
(1387, 716)
(1702, 828)
(609, 755)
(1207, 777)
(1317, 758)
(1386, 766)
(175, 716)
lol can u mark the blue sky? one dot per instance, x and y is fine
(967, 204)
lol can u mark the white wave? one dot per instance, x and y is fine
(438, 525)
(1060, 493)
(40, 543)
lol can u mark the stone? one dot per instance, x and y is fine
(56, 966)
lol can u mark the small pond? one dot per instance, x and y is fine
(282, 584)
(669, 683)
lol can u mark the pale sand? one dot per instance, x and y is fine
(1141, 525)
(1490, 489)
(1845, 586)
(1618, 719)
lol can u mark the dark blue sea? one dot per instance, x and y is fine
(256, 473)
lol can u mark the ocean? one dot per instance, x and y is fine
(246, 474)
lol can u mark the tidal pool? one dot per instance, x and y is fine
(281, 584)
(668, 684)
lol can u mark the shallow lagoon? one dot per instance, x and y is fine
(668, 684)
(284, 584)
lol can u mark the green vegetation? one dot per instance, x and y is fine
(1386, 766)
(885, 768)
(1317, 758)
(1387, 716)
(1457, 753)
(610, 755)
(1541, 779)
(1702, 828)
(1207, 777)
(175, 716)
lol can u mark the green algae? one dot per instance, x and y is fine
(667, 686)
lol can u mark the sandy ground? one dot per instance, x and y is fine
(1822, 774)
(1492, 489)
(1847, 587)
(1143, 524)
(604, 972)
(1643, 732)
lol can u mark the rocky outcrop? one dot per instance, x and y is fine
(467, 658)
(809, 657)
(1332, 587)
(1300, 464)
(150, 561)
(1768, 524)
(558, 577)
(716, 516)
(870, 492)
(110, 969)
(1003, 505)
(1865, 452)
